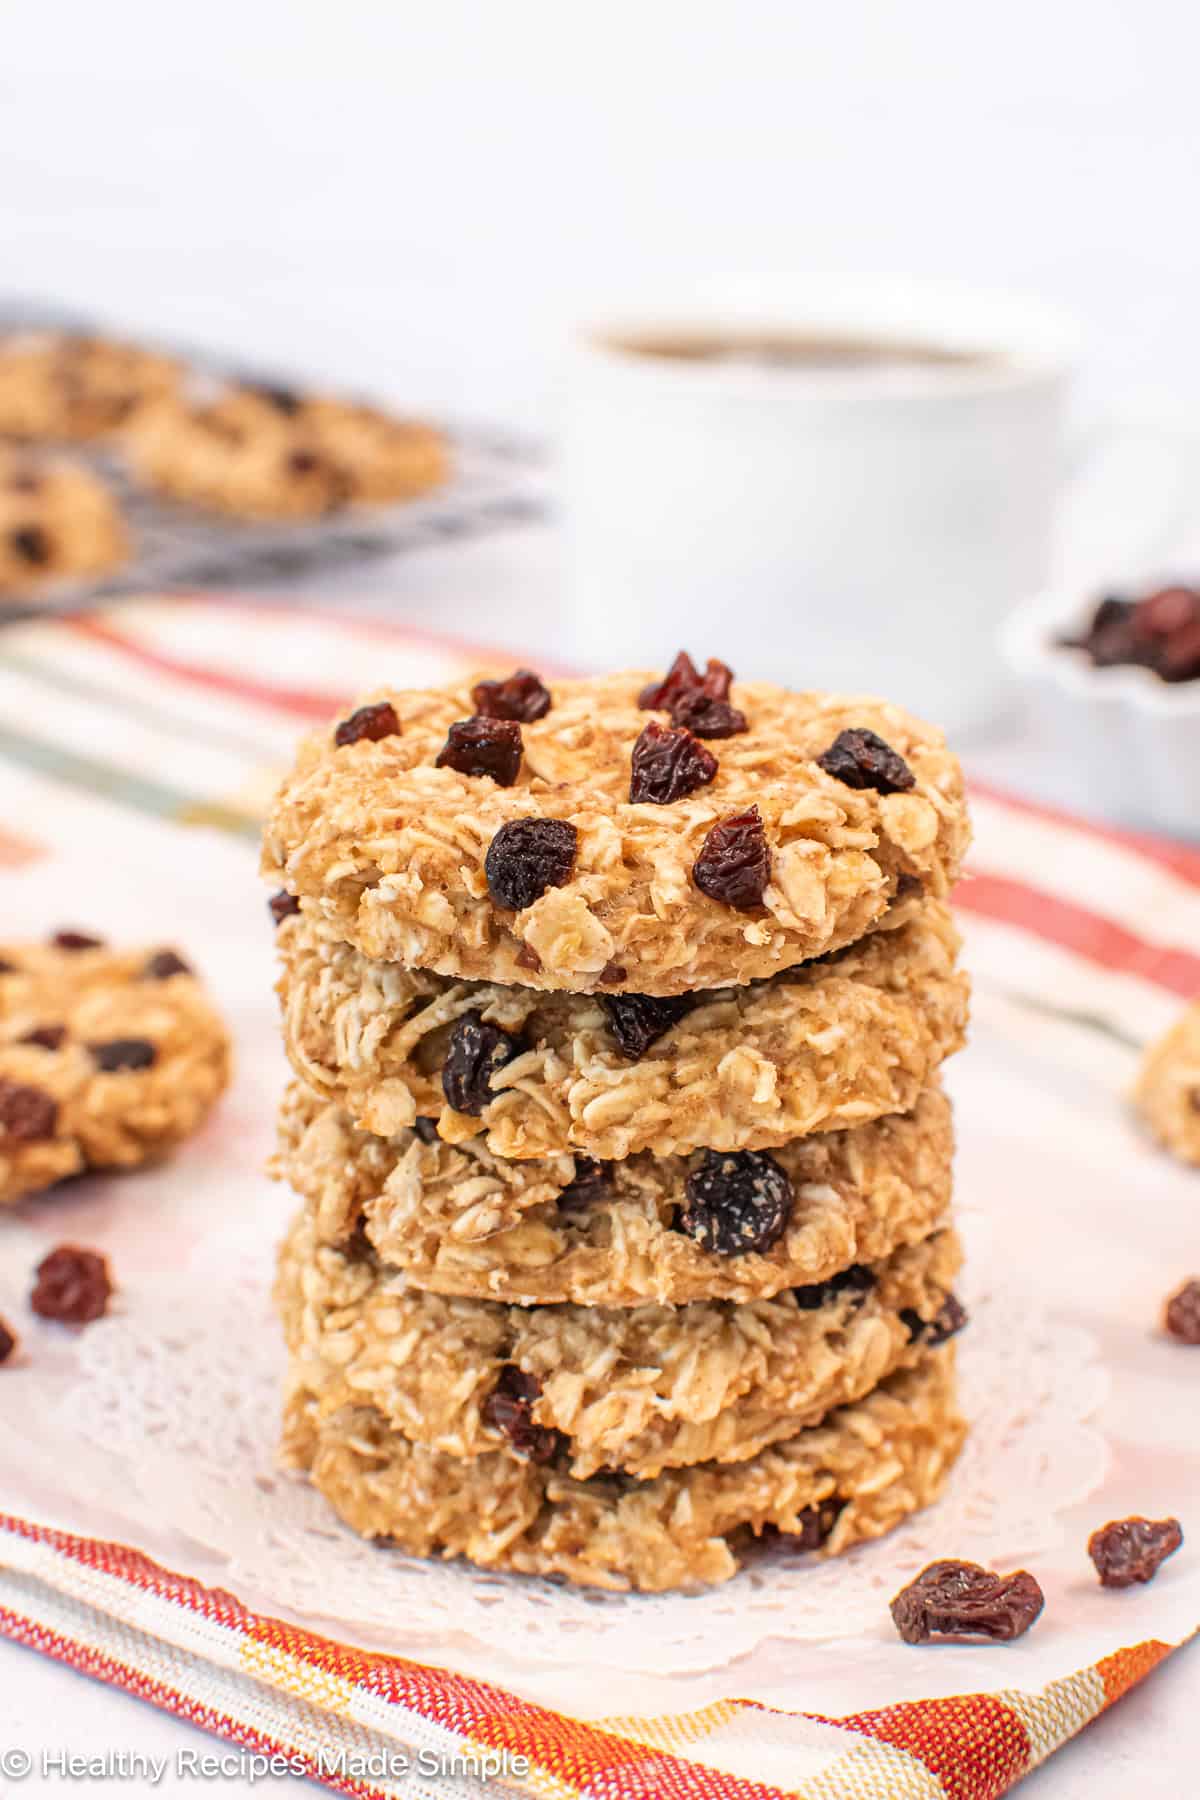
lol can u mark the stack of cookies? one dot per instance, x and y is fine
(616, 1010)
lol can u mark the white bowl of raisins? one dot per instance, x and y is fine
(1116, 682)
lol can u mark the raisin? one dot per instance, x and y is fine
(683, 681)
(961, 1600)
(508, 1409)
(302, 462)
(612, 973)
(72, 1285)
(1181, 1315)
(736, 1202)
(426, 1129)
(909, 887)
(282, 905)
(813, 1526)
(8, 1341)
(708, 718)
(32, 544)
(860, 759)
(165, 963)
(948, 1321)
(1129, 1550)
(592, 1181)
(477, 1050)
(47, 1037)
(668, 765)
(856, 1281)
(76, 940)
(528, 958)
(123, 1053)
(639, 1020)
(482, 746)
(26, 1113)
(6, 967)
(734, 864)
(358, 1248)
(522, 696)
(526, 857)
(376, 721)
(283, 399)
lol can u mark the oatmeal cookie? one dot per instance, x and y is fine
(56, 385)
(107, 1058)
(639, 1389)
(57, 523)
(263, 452)
(853, 1477)
(1167, 1094)
(462, 1221)
(825, 1044)
(541, 870)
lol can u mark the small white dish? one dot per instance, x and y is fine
(1128, 741)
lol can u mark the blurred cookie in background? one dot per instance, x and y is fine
(268, 452)
(61, 386)
(58, 522)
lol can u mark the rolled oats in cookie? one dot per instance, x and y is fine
(107, 1058)
(264, 452)
(58, 385)
(1167, 1094)
(855, 1476)
(460, 1220)
(772, 861)
(58, 523)
(828, 1044)
(637, 1390)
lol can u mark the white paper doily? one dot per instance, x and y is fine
(176, 1400)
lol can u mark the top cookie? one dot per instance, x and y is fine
(572, 838)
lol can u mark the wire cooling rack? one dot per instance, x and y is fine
(494, 481)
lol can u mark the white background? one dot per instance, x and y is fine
(417, 198)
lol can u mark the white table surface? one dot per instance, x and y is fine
(502, 589)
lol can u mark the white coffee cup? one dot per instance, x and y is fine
(856, 524)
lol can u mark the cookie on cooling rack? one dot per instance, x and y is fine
(60, 385)
(261, 452)
(58, 523)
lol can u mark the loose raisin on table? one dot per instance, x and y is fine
(375, 721)
(1126, 1551)
(639, 1020)
(522, 696)
(483, 746)
(526, 857)
(8, 1341)
(1181, 1315)
(857, 1281)
(949, 1320)
(734, 864)
(961, 1600)
(123, 1053)
(26, 1114)
(282, 905)
(667, 765)
(46, 1037)
(509, 1410)
(72, 1285)
(165, 963)
(593, 1180)
(861, 759)
(476, 1051)
(736, 1202)
(76, 940)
